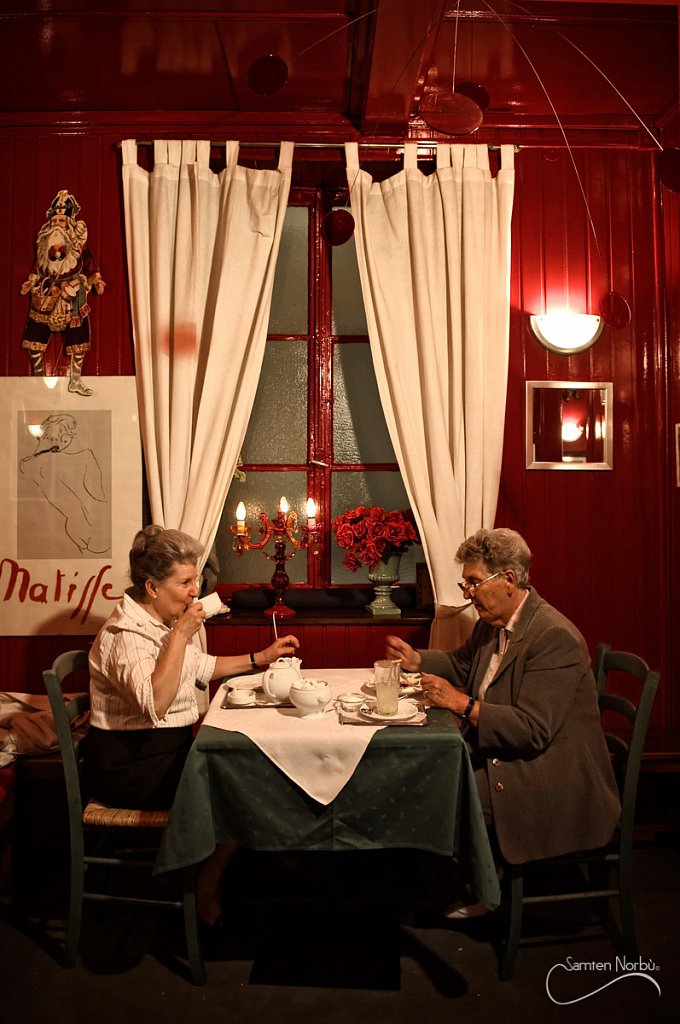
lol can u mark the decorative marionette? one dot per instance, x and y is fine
(62, 277)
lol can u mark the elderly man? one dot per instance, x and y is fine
(524, 692)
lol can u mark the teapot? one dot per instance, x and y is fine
(279, 677)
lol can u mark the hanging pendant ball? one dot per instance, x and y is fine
(476, 93)
(615, 311)
(267, 75)
(451, 113)
(338, 227)
(669, 169)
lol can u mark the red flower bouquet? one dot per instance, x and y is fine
(371, 535)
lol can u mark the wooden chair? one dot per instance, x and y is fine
(99, 834)
(612, 865)
(7, 780)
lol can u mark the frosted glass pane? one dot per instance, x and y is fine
(359, 428)
(348, 314)
(260, 493)
(384, 489)
(277, 431)
(289, 299)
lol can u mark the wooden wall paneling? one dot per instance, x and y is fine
(24, 658)
(19, 178)
(591, 531)
(670, 598)
(322, 645)
(7, 223)
(114, 329)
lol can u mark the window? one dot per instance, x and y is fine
(317, 427)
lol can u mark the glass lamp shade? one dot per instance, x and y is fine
(566, 332)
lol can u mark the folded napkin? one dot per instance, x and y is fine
(318, 755)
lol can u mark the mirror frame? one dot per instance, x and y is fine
(532, 386)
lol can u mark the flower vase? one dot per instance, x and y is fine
(383, 576)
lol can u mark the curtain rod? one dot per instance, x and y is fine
(394, 146)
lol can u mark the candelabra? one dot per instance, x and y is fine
(284, 528)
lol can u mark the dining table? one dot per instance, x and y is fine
(270, 780)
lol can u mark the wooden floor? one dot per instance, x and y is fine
(323, 938)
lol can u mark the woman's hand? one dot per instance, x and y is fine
(281, 648)
(189, 621)
(395, 648)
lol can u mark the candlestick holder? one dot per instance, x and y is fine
(285, 529)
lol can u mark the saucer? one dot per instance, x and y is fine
(251, 682)
(406, 710)
(242, 704)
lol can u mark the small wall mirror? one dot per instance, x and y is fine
(569, 425)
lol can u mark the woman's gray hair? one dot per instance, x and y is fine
(498, 550)
(154, 553)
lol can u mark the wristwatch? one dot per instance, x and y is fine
(464, 715)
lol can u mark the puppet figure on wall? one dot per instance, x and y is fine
(62, 277)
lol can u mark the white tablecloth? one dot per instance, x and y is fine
(319, 755)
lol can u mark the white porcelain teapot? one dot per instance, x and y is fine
(279, 677)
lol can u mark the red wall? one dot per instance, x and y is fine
(600, 539)
(605, 543)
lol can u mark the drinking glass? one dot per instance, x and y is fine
(387, 675)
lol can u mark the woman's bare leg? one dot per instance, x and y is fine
(208, 887)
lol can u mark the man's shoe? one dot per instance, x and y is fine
(462, 911)
(465, 911)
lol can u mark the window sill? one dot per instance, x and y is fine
(322, 616)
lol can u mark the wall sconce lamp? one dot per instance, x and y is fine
(566, 332)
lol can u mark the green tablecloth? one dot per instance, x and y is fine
(414, 788)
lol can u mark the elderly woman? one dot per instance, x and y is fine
(525, 695)
(144, 672)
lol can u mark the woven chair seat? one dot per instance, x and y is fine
(123, 817)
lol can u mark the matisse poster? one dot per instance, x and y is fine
(71, 503)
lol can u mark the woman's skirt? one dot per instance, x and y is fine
(138, 768)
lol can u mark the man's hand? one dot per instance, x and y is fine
(395, 648)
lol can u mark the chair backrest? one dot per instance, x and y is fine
(64, 713)
(626, 749)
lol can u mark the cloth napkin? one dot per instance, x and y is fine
(318, 755)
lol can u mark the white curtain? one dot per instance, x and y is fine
(434, 260)
(201, 251)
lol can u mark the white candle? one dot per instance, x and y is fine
(283, 505)
(311, 513)
(240, 518)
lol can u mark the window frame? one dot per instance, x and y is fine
(321, 343)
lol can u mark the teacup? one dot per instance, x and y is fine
(212, 604)
(242, 696)
(351, 701)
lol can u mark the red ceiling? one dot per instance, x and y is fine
(353, 68)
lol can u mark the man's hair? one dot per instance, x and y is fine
(498, 550)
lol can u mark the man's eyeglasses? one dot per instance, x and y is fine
(470, 589)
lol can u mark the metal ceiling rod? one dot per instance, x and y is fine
(395, 147)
